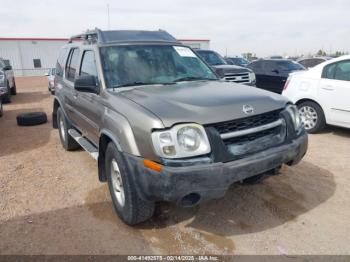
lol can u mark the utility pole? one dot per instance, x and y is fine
(108, 17)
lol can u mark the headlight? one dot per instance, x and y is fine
(294, 113)
(252, 77)
(185, 140)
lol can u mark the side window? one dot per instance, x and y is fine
(72, 64)
(61, 61)
(328, 71)
(256, 66)
(88, 65)
(269, 66)
(342, 71)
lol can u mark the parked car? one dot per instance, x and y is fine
(239, 61)
(162, 125)
(51, 80)
(322, 94)
(271, 74)
(7, 79)
(232, 73)
(314, 61)
(3, 91)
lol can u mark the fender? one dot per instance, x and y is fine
(57, 103)
(118, 129)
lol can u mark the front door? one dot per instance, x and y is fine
(88, 105)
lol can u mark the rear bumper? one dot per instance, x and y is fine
(210, 180)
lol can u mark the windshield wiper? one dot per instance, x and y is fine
(136, 83)
(192, 78)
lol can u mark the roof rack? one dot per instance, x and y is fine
(120, 36)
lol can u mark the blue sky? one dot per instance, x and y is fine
(267, 27)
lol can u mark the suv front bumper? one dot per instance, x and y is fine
(210, 181)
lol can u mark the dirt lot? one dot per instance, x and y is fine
(51, 201)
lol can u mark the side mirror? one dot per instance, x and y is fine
(86, 84)
(8, 67)
(220, 72)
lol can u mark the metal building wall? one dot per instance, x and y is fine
(22, 52)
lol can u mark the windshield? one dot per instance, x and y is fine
(290, 65)
(212, 58)
(151, 64)
(239, 61)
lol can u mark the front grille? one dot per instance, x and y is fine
(246, 123)
(237, 77)
(251, 137)
(272, 132)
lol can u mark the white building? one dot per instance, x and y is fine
(34, 56)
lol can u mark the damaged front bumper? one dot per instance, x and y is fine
(210, 181)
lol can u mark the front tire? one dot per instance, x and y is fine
(63, 124)
(312, 117)
(126, 201)
(7, 98)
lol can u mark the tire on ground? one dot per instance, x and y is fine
(67, 141)
(31, 119)
(321, 119)
(135, 209)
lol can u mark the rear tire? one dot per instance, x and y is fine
(312, 116)
(129, 206)
(63, 125)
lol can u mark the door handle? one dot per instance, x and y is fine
(328, 88)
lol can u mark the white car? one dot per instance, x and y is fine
(322, 94)
(51, 79)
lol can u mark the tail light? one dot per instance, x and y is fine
(286, 84)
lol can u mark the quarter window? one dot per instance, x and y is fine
(328, 71)
(72, 64)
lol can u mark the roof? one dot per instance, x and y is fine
(124, 36)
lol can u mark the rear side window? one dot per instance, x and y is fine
(72, 64)
(328, 71)
(255, 66)
(61, 61)
(342, 71)
(88, 64)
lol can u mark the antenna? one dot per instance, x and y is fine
(108, 17)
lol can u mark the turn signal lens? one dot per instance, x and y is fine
(152, 165)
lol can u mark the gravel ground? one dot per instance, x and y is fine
(51, 201)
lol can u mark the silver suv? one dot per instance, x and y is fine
(161, 124)
(7, 81)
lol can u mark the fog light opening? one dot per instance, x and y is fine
(190, 200)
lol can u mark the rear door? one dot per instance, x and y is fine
(88, 105)
(334, 92)
(70, 95)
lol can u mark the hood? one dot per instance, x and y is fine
(203, 102)
(231, 68)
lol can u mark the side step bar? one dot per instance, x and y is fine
(88, 147)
